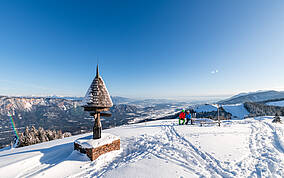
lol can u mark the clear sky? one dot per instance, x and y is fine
(145, 48)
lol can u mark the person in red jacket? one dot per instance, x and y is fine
(181, 117)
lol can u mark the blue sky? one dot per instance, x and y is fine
(162, 49)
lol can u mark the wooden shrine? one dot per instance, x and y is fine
(97, 101)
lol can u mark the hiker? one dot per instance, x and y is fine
(188, 117)
(181, 117)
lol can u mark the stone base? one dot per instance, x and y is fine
(94, 152)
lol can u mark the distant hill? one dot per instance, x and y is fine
(115, 99)
(121, 100)
(253, 97)
(274, 102)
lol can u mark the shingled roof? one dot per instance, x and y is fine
(97, 95)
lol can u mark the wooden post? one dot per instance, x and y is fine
(218, 116)
(97, 130)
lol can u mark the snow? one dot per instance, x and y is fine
(276, 103)
(28, 106)
(150, 167)
(228, 142)
(239, 148)
(88, 142)
(205, 108)
(237, 110)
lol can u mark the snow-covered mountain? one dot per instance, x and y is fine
(253, 97)
(239, 148)
(276, 103)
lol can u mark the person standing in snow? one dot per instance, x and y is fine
(188, 117)
(181, 117)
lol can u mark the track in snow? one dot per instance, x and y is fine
(265, 157)
(170, 146)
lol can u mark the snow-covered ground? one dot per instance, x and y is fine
(276, 103)
(237, 110)
(239, 148)
(205, 108)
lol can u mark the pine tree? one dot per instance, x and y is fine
(34, 136)
(276, 119)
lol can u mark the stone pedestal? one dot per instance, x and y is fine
(95, 148)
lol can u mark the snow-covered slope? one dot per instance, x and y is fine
(276, 103)
(239, 148)
(253, 97)
(237, 110)
(205, 108)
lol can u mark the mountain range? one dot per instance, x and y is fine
(258, 96)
